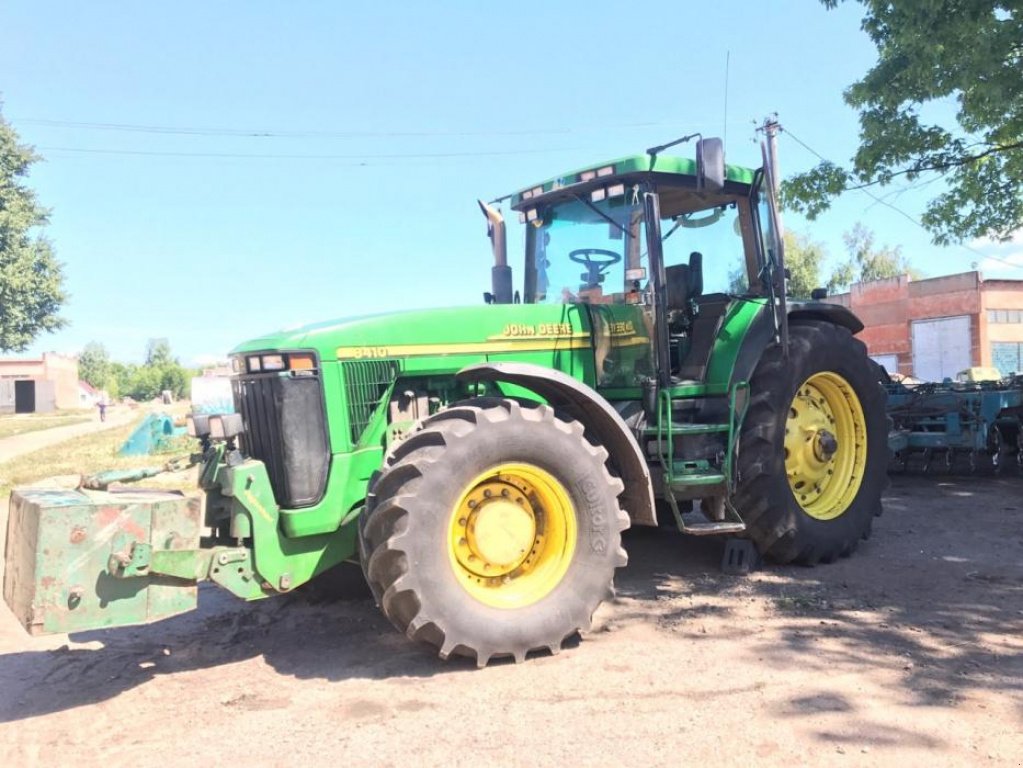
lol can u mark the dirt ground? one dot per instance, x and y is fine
(909, 653)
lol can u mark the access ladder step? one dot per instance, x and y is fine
(689, 429)
(697, 524)
(686, 479)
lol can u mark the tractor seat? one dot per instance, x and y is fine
(677, 284)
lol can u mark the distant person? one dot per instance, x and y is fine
(102, 405)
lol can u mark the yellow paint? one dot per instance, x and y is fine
(512, 535)
(253, 503)
(525, 344)
(543, 330)
(825, 413)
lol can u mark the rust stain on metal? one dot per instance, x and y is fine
(78, 535)
(115, 516)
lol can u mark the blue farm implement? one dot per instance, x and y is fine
(956, 427)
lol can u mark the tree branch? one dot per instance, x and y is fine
(941, 167)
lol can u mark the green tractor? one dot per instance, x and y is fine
(481, 463)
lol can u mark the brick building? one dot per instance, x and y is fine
(38, 386)
(934, 328)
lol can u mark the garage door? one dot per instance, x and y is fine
(941, 348)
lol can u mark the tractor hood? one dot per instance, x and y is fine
(450, 331)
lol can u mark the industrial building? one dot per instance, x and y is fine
(39, 385)
(932, 329)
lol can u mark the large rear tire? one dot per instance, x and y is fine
(813, 449)
(493, 531)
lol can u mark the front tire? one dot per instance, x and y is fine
(813, 447)
(494, 530)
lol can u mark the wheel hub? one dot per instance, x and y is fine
(825, 445)
(501, 533)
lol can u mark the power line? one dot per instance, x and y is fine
(265, 156)
(265, 133)
(895, 208)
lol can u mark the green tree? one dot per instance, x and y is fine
(966, 53)
(158, 352)
(94, 365)
(803, 260)
(121, 377)
(867, 261)
(31, 278)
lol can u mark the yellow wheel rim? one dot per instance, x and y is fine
(825, 445)
(512, 535)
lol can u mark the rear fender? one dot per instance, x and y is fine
(601, 421)
(760, 334)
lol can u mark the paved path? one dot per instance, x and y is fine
(18, 445)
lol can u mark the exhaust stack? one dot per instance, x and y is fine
(500, 273)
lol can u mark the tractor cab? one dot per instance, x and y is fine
(659, 248)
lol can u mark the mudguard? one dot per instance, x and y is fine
(821, 310)
(596, 414)
(760, 333)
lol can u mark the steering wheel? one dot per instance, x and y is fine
(594, 266)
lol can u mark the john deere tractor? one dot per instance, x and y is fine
(482, 462)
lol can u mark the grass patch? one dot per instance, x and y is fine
(33, 422)
(83, 455)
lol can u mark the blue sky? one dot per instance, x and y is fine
(387, 121)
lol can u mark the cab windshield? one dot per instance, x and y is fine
(595, 252)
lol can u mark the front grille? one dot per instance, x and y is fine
(366, 381)
(286, 429)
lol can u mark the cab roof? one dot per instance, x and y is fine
(625, 166)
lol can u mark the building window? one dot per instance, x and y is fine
(1005, 316)
(1007, 356)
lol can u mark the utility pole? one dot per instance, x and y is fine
(771, 128)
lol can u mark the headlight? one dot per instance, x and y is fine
(225, 426)
(198, 424)
(273, 362)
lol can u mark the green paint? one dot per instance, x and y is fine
(624, 166)
(149, 568)
(282, 561)
(737, 322)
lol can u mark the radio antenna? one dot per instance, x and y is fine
(724, 132)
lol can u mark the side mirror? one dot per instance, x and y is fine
(695, 274)
(819, 294)
(710, 165)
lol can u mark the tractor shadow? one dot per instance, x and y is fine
(935, 597)
(307, 634)
(941, 577)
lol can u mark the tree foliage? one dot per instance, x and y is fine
(94, 365)
(933, 54)
(804, 258)
(867, 261)
(161, 371)
(31, 278)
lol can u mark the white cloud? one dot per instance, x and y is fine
(1001, 259)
